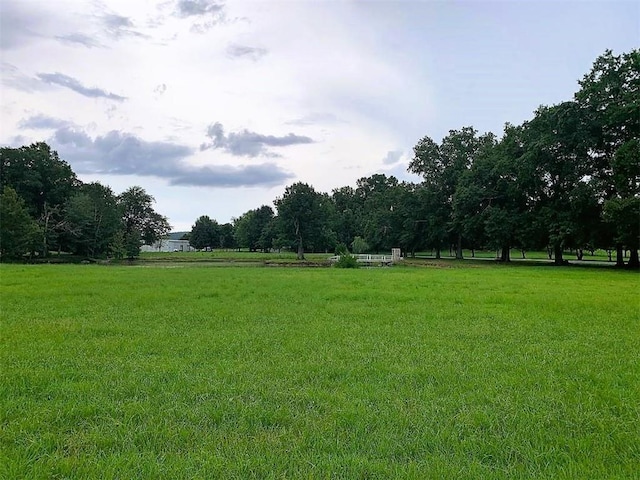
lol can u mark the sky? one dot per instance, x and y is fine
(215, 107)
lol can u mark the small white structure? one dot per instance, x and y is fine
(169, 245)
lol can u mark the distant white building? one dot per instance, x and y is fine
(169, 245)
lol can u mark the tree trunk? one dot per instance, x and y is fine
(459, 248)
(506, 254)
(45, 233)
(634, 261)
(619, 256)
(300, 249)
(557, 250)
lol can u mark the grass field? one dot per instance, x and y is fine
(289, 257)
(483, 371)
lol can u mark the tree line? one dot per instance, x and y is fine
(568, 179)
(44, 207)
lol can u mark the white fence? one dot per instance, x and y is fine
(370, 259)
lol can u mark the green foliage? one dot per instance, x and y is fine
(227, 239)
(347, 261)
(44, 182)
(379, 195)
(205, 233)
(348, 215)
(624, 216)
(18, 231)
(138, 215)
(359, 245)
(341, 249)
(303, 215)
(132, 243)
(625, 167)
(443, 167)
(255, 229)
(92, 220)
(497, 372)
(117, 248)
(38, 176)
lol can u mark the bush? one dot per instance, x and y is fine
(347, 261)
(341, 249)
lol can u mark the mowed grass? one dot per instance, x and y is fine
(230, 256)
(483, 372)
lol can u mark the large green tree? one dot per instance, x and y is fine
(378, 195)
(555, 168)
(204, 233)
(38, 175)
(141, 223)
(254, 229)
(92, 220)
(489, 201)
(44, 182)
(609, 99)
(442, 167)
(304, 216)
(409, 213)
(348, 217)
(227, 239)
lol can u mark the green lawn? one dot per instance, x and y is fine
(290, 257)
(243, 256)
(482, 371)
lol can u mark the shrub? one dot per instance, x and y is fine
(341, 249)
(347, 261)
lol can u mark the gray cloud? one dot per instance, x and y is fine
(70, 137)
(191, 8)
(206, 13)
(243, 51)
(316, 118)
(73, 84)
(249, 144)
(43, 122)
(262, 175)
(392, 157)
(79, 39)
(120, 153)
(117, 26)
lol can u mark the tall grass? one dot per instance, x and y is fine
(484, 372)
